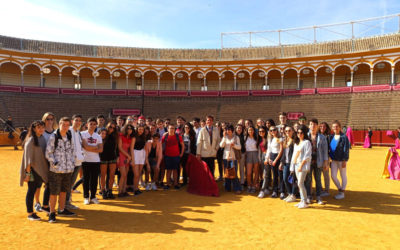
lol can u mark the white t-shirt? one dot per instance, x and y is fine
(92, 140)
(251, 145)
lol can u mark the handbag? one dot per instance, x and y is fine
(230, 170)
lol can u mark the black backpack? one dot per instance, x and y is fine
(59, 137)
(165, 142)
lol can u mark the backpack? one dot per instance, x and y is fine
(165, 142)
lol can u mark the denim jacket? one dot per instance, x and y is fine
(322, 149)
(342, 150)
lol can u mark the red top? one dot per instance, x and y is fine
(126, 141)
(262, 146)
(171, 145)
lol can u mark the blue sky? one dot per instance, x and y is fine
(184, 23)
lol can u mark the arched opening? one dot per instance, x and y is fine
(103, 80)
(324, 77)
(68, 79)
(361, 74)
(197, 81)
(212, 80)
(342, 76)
(150, 80)
(32, 75)
(396, 77)
(119, 79)
(227, 81)
(274, 79)
(382, 73)
(135, 80)
(306, 78)
(50, 77)
(86, 78)
(10, 74)
(181, 80)
(242, 80)
(166, 80)
(258, 80)
(290, 79)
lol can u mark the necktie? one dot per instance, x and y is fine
(210, 133)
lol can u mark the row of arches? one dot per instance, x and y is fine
(362, 73)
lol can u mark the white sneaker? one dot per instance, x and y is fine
(76, 191)
(95, 201)
(291, 198)
(153, 186)
(339, 196)
(303, 205)
(261, 194)
(148, 187)
(308, 201)
(86, 201)
(324, 193)
(298, 204)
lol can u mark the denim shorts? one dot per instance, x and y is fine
(252, 157)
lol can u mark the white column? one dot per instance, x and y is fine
(371, 80)
(266, 80)
(111, 80)
(351, 77)
(94, 80)
(234, 83)
(41, 79)
(158, 82)
(174, 86)
(392, 76)
(250, 84)
(142, 82)
(205, 83)
(22, 77)
(219, 83)
(282, 75)
(315, 80)
(127, 81)
(298, 80)
(59, 79)
(189, 83)
(333, 79)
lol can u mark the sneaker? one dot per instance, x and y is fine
(121, 195)
(95, 201)
(76, 191)
(115, 185)
(282, 196)
(339, 196)
(38, 207)
(86, 201)
(104, 194)
(309, 200)
(320, 202)
(33, 216)
(291, 198)
(274, 195)
(110, 195)
(153, 186)
(298, 204)
(65, 213)
(261, 194)
(148, 187)
(249, 190)
(303, 205)
(324, 193)
(52, 217)
(166, 187)
(137, 192)
(71, 206)
(46, 209)
(177, 187)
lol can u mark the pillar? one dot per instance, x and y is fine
(371, 80)
(298, 80)
(315, 80)
(41, 78)
(282, 75)
(94, 81)
(234, 83)
(59, 79)
(127, 81)
(189, 83)
(392, 76)
(158, 82)
(351, 77)
(250, 83)
(219, 83)
(205, 83)
(174, 86)
(333, 79)
(111, 81)
(22, 77)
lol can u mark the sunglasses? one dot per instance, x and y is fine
(261, 131)
(273, 130)
(111, 127)
(288, 130)
(299, 132)
(49, 119)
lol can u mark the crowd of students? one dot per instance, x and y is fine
(277, 160)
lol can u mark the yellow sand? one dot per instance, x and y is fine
(369, 217)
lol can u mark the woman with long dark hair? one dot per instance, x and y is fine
(288, 178)
(301, 160)
(189, 140)
(273, 156)
(125, 157)
(240, 154)
(252, 160)
(138, 156)
(34, 167)
(108, 159)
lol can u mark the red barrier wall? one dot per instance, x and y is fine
(379, 138)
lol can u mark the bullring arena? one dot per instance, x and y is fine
(354, 81)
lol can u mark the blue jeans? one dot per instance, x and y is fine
(286, 172)
(230, 182)
(317, 177)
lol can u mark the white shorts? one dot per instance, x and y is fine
(140, 156)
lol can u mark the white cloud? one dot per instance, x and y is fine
(23, 19)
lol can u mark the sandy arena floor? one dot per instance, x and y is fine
(369, 217)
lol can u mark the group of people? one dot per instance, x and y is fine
(272, 159)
